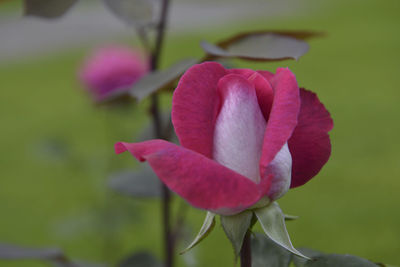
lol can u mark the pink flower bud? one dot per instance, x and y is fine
(112, 69)
(246, 138)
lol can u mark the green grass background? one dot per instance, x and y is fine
(57, 147)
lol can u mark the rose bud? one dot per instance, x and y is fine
(112, 70)
(246, 138)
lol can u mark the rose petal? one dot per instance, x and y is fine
(281, 169)
(246, 73)
(283, 116)
(112, 69)
(201, 181)
(195, 106)
(310, 145)
(267, 75)
(240, 127)
(264, 91)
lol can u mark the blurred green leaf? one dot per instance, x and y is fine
(272, 221)
(208, 226)
(235, 228)
(77, 264)
(116, 99)
(141, 183)
(261, 46)
(134, 12)
(11, 252)
(47, 8)
(301, 35)
(52, 149)
(298, 261)
(160, 79)
(51, 255)
(265, 252)
(320, 259)
(140, 14)
(140, 259)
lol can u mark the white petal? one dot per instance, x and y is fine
(239, 132)
(281, 168)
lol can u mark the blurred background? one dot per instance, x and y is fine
(57, 146)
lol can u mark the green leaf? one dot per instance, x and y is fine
(235, 228)
(52, 149)
(51, 255)
(141, 183)
(11, 252)
(290, 217)
(320, 259)
(77, 264)
(301, 35)
(259, 47)
(140, 259)
(208, 225)
(47, 8)
(264, 250)
(299, 261)
(133, 12)
(272, 222)
(160, 79)
(117, 98)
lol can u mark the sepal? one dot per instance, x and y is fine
(289, 217)
(208, 225)
(235, 228)
(272, 221)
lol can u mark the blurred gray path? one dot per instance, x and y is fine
(89, 23)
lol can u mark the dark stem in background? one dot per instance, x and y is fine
(245, 252)
(155, 111)
(168, 239)
(160, 35)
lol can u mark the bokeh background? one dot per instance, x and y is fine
(57, 147)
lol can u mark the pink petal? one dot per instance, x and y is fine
(246, 73)
(267, 75)
(283, 116)
(195, 106)
(263, 87)
(265, 93)
(201, 181)
(111, 69)
(240, 127)
(310, 145)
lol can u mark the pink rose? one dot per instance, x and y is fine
(245, 135)
(112, 69)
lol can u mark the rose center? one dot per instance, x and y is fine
(239, 128)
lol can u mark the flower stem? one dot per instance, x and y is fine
(165, 193)
(155, 111)
(168, 240)
(245, 252)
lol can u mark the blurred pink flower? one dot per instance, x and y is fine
(246, 136)
(112, 69)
